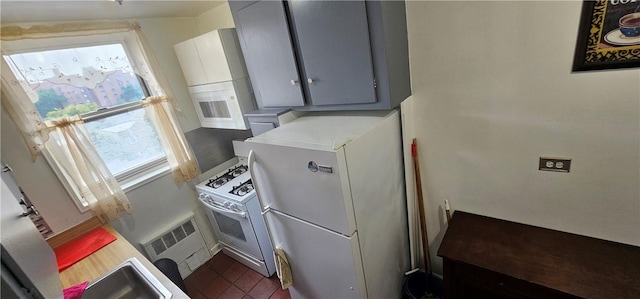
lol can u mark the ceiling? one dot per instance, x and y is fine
(55, 11)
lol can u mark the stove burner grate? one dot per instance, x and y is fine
(240, 169)
(242, 189)
(219, 181)
(224, 178)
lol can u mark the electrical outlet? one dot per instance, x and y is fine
(554, 164)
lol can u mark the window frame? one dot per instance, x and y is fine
(129, 179)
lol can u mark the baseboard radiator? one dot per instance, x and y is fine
(181, 242)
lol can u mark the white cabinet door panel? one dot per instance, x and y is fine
(190, 63)
(213, 57)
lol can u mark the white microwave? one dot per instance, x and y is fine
(222, 105)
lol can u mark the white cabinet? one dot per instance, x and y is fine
(210, 58)
(215, 72)
(190, 62)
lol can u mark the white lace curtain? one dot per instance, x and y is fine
(15, 38)
(70, 145)
(180, 157)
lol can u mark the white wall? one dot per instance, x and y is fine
(216, 18)
(159, 204)
(493, 91)
(162, 34)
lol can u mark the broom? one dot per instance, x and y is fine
(423, 222)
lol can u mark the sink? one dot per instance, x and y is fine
(129, 280)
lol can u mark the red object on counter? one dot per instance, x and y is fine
(81, 247)
(75, 292)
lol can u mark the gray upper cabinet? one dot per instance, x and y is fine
(266, 44)
(325, 55)
(335, 51)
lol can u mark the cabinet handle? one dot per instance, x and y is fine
(310, 81)
(294, 82)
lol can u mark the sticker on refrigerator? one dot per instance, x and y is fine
(327, 169)
(312, 166)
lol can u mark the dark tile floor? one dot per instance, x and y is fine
(223, 277)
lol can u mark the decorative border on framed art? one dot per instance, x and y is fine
(608, 36)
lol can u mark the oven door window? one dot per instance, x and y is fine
(236, 231)
(229, 226)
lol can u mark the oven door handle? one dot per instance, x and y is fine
(225, 210)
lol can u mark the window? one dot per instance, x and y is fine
(117, 47)
(116, 122)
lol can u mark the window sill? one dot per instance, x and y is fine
(145, 178)
(138, 181)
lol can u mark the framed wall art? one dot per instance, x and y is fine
(609, 35)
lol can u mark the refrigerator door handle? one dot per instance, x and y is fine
(267, 210)
(263, 209)
(252, 159)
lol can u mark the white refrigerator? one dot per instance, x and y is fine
(331, 188)
(29, 268)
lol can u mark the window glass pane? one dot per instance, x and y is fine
(125, 140)
(78, 80)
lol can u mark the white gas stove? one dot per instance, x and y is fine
(233, 209)
(233, 186)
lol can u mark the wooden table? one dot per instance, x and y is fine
(491, 258)
(109, 257)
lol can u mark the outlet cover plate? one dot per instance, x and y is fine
(554, 164)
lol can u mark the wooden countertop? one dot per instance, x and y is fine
(109, 257)
(577, 265)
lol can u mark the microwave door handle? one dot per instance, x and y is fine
(226, 211)
(267, 209)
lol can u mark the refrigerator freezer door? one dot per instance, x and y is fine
(311, 185)
(323, 264)
(24, 252)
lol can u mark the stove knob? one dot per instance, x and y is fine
(235, 208)
(227, 204)
(205, 197)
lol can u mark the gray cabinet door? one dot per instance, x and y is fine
(334, 43)
(269, 54)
